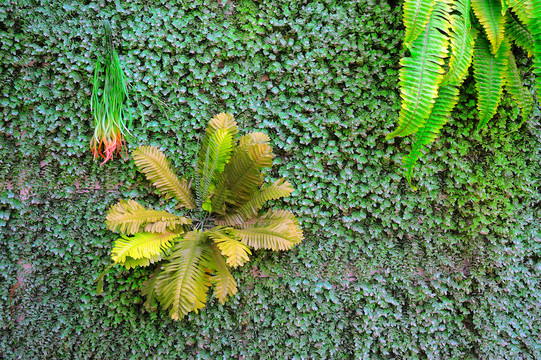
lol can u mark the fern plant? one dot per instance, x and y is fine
(444, 38)
(223, 221)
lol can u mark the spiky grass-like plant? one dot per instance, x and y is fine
(112, 116)
(224, 207)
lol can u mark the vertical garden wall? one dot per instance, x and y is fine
(450, 271)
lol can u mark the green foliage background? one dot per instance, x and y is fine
(451, 271)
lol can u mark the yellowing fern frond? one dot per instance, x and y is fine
(236, 253)
(224, 283)
(183, 284)
(462, 36)
(141, 245)
(153, 163)
(131, 263)
(149, 290)
(129, 217)
(243, 174)
(489, 70)
(489, 13)
(276, 230)
(280, 188)
(422, 72)
(416, 15)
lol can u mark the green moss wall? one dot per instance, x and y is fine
(451, 271)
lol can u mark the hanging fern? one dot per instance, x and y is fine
(197, 253)
(416, 16)
(422, 73)
(430, 93)
(462, 40)
(491, 16)
(513, 85)
(445, 103)
(519, 34)
(535, 28)
(489, 70)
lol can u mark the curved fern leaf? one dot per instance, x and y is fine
(224, 283)
(488, 74)
(131, 263)
(276, 230)
(422, 72)
(149, 290)
(489, 13)
(141, 245)
(217, 154)
(462, 36)
(183, 284)
(445, 103)
(416, 15)
(535, 28)
(523, 9)
(153, 163)
(129, 217)
(243, 174)
(519, 34)
(520, 93)
(236, 253)
(221, 128)
(280, 188)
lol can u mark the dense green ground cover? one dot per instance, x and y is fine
(450, 271)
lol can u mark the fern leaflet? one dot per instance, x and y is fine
(422, 72)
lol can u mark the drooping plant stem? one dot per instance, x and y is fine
(109, 105)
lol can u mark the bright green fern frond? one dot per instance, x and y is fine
(243, 174)
(416, 15)
(422, 72)
(217, 154)
(523, 9)
(445, 103)
(153, 163)
(276, 230)
(223, 123)
(183, 284)
(129, 217)
(250, 208)
(224, 283)
(235, 252)
(535, 29)
(520, 35)
(462, 40)
(489, 13)
(520, 93)
(141, 245)
(214, 154)
(220, 194)
(488, 74)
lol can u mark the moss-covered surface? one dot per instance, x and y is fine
(450, 271)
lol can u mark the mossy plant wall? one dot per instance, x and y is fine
(450, 271)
